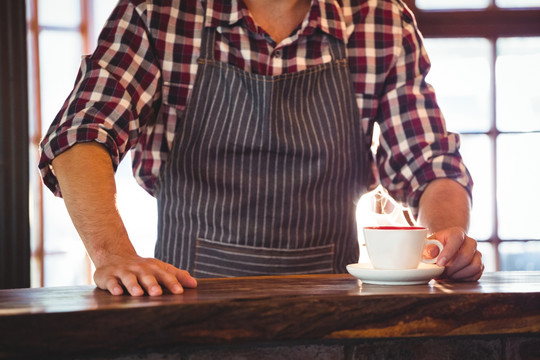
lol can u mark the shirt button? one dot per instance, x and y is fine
(276, 54)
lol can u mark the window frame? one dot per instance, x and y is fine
(14, 159)
(34, 28)
(490, 23)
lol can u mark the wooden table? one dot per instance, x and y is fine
(312, 316)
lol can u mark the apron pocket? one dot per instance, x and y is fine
(215, 259)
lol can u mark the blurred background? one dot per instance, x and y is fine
(485, 69)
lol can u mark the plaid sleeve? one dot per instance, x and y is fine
(415, 147)
(113, 96)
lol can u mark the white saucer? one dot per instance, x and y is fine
(421, 275)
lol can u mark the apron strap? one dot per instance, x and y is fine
(208, 39)
(337, 48)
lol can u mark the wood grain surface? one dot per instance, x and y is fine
(68, 320)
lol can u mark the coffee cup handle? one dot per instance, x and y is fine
(439, 245)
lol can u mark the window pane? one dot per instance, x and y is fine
(58, 69)
(520, 255)
(32, 83)
(62, 246)
(102, 9)
(138, 210)
(34, 178)
(517, 3)
(488, 255)
(518, 193)
(451, 4)
(63, 269)
(63, 13)
(477, 154)
(518, 76)
(460, 74)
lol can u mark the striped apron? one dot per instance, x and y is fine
(264, 172)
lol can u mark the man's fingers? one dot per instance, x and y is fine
(150, 284)
(472, 272)
(460, 257)
(143, 275)
(452, 242)
(108, 281)
(131, 283)
(111, 284)
(463, 258)
(175, 279)
(431, 251)
(169, 280)
(186, 279)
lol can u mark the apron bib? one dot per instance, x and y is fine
(264, 172)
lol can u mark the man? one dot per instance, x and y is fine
(250, 123)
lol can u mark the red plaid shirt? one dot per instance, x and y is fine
(147, 54)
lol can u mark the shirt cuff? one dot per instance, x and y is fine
(53, 146)
(441, 167)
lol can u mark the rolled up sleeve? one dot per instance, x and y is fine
(415, 146)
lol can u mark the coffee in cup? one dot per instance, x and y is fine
(398, 247)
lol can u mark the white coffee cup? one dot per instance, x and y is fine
(398, 247)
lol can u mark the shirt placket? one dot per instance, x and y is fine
(275, 63)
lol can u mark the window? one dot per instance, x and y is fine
(485, 75)
(58, 255)
(484, 54)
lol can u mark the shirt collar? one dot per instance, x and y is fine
(326, 15)
(223, 13)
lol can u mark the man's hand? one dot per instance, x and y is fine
(86, 178)
(460, 256)
(138, 275)
(444, 209)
